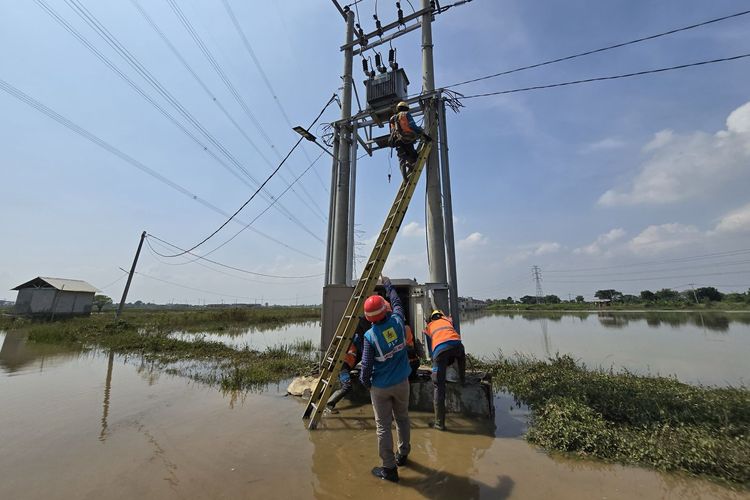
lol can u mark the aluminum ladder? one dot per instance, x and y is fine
(334, 357)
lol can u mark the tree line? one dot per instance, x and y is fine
(702, 295)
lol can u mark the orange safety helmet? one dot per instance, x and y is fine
(375, 308)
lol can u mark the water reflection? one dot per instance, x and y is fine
(18, 355)
(107, 391)
(696, 347)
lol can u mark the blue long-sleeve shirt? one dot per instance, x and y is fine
(368, 353)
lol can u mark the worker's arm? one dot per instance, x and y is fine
(416, 128)
(398, 309)
(368, 357)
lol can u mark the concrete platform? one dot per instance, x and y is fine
(474, 399)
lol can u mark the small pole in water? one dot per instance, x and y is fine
(130, 277)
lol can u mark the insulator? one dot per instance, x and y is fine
(377, 59)
(400, 13)
(392, 55)
(364, 67)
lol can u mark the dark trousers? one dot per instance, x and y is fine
(407, 156)
(440, 366)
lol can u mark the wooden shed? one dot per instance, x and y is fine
(56, 297)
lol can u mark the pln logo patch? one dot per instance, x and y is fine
(390, 335)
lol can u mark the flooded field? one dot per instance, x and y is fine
(93, 425)
(708, 348)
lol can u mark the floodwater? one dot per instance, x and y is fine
(708, 348)
(94, 425)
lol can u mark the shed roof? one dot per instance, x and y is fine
(67, 285)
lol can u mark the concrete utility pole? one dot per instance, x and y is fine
(450, 246)
(130, 277)
(434, 216)
(340, 240)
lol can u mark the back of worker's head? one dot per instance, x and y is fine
(375, 309)
(436, 314)
(402, 106)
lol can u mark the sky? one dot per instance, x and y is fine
(632, 184)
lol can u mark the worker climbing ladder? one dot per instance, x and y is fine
(334, 357)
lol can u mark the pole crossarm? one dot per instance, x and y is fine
(388, 27)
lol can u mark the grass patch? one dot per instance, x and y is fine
(632, 419)
(147, 334)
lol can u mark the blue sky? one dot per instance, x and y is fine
(617, 183)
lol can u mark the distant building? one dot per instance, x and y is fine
(470, 304)
(54, 296)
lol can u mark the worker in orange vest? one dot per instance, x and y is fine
(404, 133)
(446, 348)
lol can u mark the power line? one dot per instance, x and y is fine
(689, 276)
(26, 99)
(113, 42)
(107, 62)
(217, 68)
(189, 287)
(611, 77)
(254, 273)
(258, 190)
(266, 209)
(602, 49)
(220, 271)
(210, 94)
(249, 49)
(729, 253)
(667, 270)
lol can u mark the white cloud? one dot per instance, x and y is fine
(606, 144)
(413, 229)
(735, 221)
(658, 238)
(685, 166)
(547, 247)
(597, 247)
(535, 249)
(472, 241)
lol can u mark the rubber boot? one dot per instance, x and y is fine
(335, 398)
(439, 423)
(385, 473)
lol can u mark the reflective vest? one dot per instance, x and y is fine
(400, 128)
(388, 340)
(441, 330)
(351, 356)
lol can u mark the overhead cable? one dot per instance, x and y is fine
(689, 276)
(689, 258)
(254, 273)
(197, 261)
(258, 190)
(612, 77)
(602, 49)
(113, 42)
(249, 49)
(264, 210)
(107, 62)
(212, 97)
(30, 101)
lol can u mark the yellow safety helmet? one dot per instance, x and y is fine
(437, 313)
(402, 106)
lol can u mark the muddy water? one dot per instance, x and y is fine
(100, 426)
(709, 348)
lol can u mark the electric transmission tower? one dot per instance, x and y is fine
(536, 273)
